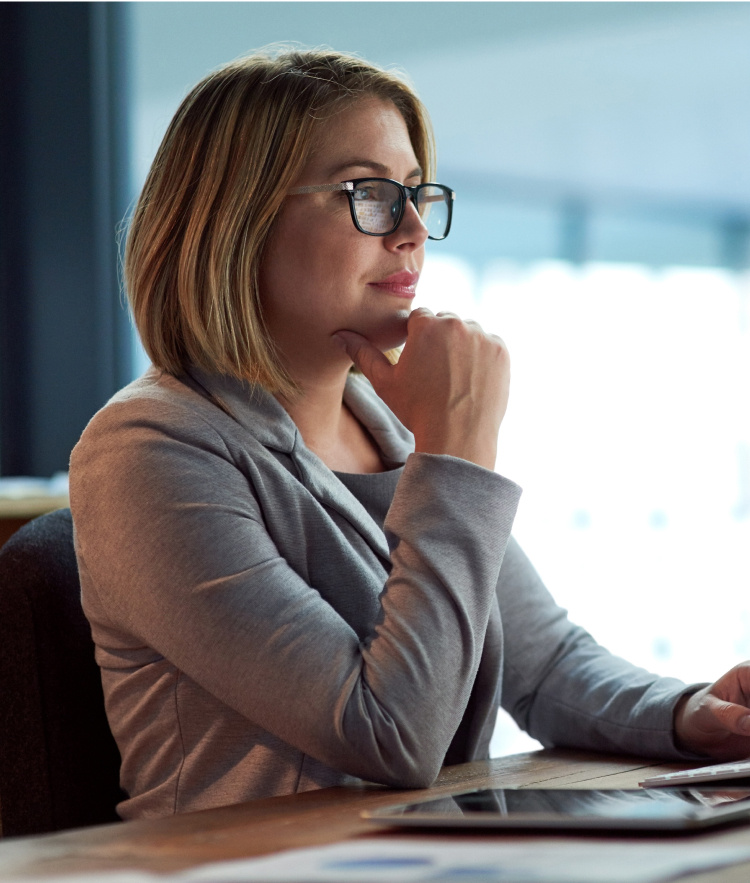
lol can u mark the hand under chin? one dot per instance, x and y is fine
(386, 335)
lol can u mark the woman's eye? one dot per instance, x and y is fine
(362, 193)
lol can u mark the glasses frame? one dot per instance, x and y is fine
(405, 192)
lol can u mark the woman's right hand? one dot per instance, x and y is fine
(450, 386)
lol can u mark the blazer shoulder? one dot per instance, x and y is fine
(158, 405)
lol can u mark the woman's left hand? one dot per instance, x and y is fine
(716, 720)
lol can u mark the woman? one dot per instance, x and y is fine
(297, 576)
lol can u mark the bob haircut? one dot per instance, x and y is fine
(234, 148)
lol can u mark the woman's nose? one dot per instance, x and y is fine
(411, 233)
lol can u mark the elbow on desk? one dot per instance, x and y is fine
(389, 746)
(408, 771)
(390, 759)
(413, 779)
(419, 780)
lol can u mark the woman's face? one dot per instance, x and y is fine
(320, 274)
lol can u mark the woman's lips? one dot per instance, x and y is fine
(403, 284)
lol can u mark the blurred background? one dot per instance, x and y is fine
(600, 154)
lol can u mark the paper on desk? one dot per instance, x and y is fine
(388, 860)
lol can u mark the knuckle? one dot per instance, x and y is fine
(451, 321)
(497, 347)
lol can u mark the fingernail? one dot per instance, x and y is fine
(340, 341)
(745, 723)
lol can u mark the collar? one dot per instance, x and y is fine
(261, 415)
(258, 412)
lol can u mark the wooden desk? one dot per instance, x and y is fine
(316, 818)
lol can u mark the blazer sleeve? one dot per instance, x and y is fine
(171, 540)
(565, 689)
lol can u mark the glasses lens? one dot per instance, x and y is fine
(377, 205)
(433, 204)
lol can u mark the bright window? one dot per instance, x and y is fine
(629, 430)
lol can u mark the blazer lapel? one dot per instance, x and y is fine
(329, 491)
(258, 412)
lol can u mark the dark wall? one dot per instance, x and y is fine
(64, 338)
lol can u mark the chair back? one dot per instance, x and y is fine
(59, 764)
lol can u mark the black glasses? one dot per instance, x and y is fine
(378, 204)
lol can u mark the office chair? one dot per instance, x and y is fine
(59, 764)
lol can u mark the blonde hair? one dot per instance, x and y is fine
(238, 141)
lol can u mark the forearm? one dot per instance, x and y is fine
(597, 701)
(564, 688)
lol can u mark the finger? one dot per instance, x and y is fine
(420, 313)
(370, 361)
(734, 686)
(733, 717)
(468, 323)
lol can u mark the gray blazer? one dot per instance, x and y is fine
(259, 634)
